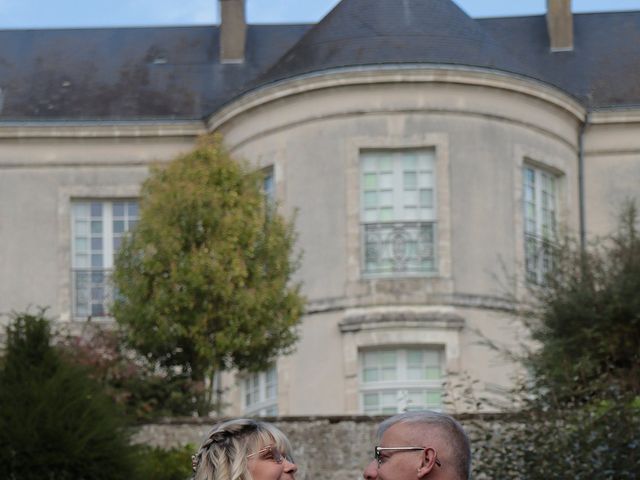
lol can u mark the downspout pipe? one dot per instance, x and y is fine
(583, 128)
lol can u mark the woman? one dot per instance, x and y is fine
(244, 449)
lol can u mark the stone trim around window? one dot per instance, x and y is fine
(66, 195)
(566, 198)
(397, 327)
(439, 281)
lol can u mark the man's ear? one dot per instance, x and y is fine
(428, 462)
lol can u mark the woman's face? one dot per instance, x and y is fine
(269, 463)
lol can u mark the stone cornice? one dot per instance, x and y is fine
(477, 77)
(482, 302)
(401, 318)
(615, 116)
(96, 129)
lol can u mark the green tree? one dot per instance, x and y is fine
(204, 278)
(586, 315)
(578, 413)
(55, 422)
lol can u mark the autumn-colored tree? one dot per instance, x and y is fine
(204, 280)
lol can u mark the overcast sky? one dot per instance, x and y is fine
(95, 13)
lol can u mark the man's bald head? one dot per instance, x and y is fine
(447, 434)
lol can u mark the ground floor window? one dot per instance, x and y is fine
(260, 393)
(394, 380)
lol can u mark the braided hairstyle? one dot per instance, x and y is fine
(223, 454)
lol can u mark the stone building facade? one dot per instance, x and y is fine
(428, 156)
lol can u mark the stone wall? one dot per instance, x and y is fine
(324, 448)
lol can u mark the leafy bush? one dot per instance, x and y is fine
(144, 390)
(547, 439)
(578, 414)
(55, 422)
(159, 464)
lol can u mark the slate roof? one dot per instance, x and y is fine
(128, 73)
(174, 73)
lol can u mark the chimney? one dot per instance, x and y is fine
(233, 31)
(560, 25)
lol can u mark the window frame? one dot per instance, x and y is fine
(400, 231)
(265, 406)
(541, 240)
(107, 250)
(402, 385)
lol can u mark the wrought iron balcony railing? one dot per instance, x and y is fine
(399, 247)
(92, 292)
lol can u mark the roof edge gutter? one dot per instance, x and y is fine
(396, 73)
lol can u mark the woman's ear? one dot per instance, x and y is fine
(428, 462)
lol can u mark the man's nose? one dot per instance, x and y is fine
(371, 471)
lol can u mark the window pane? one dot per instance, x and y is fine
(416, 373)
(370, 199)
(80, 210)
(81, 244)
(96, 227)
(388, 358)
(409, 162)
(118, 226)
(386, 180)
(118, 209)
(385, 164)
(81, 261)
(386, 214)
(386, 198)
(426, 179)
(433, 373)
(97, 310)
(132, 209)
(370, 400)
(426, 198)
(96, 260)
(370, 181)
(434, 398)
(81, 227)
(96, 243)
(410, 180)
(96, 209)
(369, 163)
(410, 198)
(370, 375)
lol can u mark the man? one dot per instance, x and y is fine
(417, 445)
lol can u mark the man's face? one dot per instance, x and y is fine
(397, 464)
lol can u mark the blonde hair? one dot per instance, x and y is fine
(223, 454)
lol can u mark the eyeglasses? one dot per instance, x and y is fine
(269, 453)
(378, 450)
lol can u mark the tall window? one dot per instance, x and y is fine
(398, 211)
(260, 392)
(540, 197)
(97, 228)
(268, 185)
(399, 380)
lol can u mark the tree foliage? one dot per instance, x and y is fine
(586, 315)
(577, 415)
(204, 278)
(55, 422)
(142, 389)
